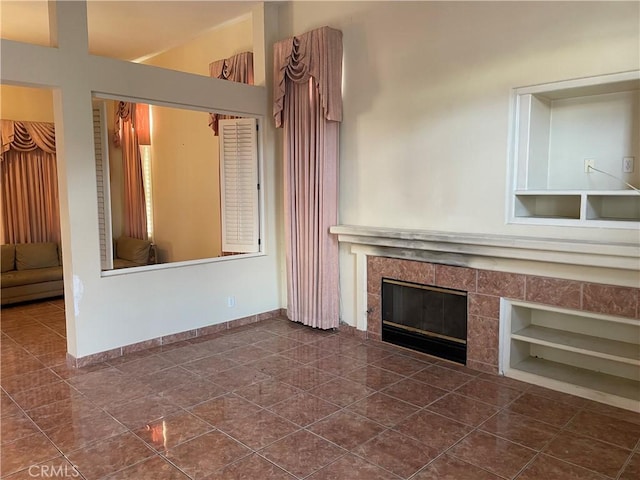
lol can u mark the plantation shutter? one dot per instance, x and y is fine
(239, 185)
(100, 139)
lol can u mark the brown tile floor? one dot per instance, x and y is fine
(276, 400)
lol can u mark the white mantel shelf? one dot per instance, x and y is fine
(623, 256)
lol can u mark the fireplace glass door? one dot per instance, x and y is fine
(429, 319)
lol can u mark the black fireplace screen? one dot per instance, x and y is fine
(429, 319)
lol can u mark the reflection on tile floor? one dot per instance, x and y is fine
(275, 400)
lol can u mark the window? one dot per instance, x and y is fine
(102, 183)
(202, 192)
(145, 153)
(239, 185)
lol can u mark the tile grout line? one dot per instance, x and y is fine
(561, 429)
(477, 429)
(341, 409)
(41, 431)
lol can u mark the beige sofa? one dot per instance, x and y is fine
(30, 271)
(33, 271)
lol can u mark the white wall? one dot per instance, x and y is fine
(605, 128)
(427, 95)
(105, 311)
(427, 89)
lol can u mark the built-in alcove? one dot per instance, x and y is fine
(575, 154)
(592, 355)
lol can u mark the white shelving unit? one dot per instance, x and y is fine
(560, 126)
(586, 354)
(602, 208)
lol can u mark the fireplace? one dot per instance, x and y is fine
(425, 318)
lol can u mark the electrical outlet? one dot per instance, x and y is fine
(627, 164)
(589, 163)
(231, 302)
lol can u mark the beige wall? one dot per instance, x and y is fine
(28, 104)
(186, 186)
(196, 55)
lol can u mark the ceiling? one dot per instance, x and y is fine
(127, 30)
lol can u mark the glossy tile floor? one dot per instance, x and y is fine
(275, 400)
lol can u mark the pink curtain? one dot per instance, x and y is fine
(135, 212)
(308, 104)
(238, 68)
(30, 202)
(143, 124)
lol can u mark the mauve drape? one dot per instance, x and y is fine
(135, 212)
(30, 202)
(238, 68)
(308, 104)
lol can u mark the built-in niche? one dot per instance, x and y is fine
(587, 354)
(576, 153)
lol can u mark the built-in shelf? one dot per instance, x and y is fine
(586, 208)
(560, 126)
(597, 386)
(587, 354)
(576, 342)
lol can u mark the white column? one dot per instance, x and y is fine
(361, 289)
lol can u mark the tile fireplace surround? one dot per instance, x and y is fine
(484, 289)
(472, 263)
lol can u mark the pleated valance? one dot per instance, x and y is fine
(316, 54)
(138, 113)
(238, 68)
(28, 136)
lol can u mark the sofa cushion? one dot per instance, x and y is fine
(133, 249)
(36, 255)
(120, 263)
(31, 276)
(8, 258)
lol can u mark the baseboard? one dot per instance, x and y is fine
(209, 330)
